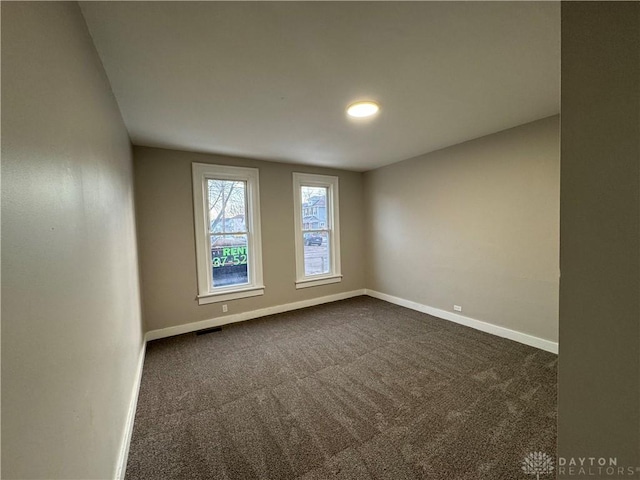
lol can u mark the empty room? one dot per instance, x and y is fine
(315, 240)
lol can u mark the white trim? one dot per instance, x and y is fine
(121, 466)
(310, 282)
(491, 328)
(233, 295)
(241, 317)
(332, 207)
(200, 173)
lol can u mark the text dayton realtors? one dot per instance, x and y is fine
(593, 466)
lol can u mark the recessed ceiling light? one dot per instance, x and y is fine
(362, 109)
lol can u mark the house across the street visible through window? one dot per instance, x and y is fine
(317, 229)
(316, 235)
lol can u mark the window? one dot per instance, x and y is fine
(227, 226)
(317, 229)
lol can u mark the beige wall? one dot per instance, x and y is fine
(164, 205)
(599, 369)
(474, 225)
(71, 332)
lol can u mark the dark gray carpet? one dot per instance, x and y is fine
(357, 389)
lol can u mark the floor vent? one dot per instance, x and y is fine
(208, 330)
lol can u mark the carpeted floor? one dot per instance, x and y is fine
(357, 389)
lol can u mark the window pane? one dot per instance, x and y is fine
(316, 253)
(229, 260)
(314, 207)
(227, 206)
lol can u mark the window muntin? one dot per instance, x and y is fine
(316, 230)
(227, 219)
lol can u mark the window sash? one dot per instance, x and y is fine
(202, 173)
(245, 204)
(331, 228)
(228, 234)
(212, 288)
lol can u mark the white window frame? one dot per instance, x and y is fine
(333, 225)
(207, 293)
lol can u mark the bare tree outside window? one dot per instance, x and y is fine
(226, 211)
(228, 232)
(227, 199)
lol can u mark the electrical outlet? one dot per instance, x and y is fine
(225, 308)
(457, 308)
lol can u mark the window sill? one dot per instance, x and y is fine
(319, 281)
(232, 295)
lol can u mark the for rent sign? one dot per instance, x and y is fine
(228, 256)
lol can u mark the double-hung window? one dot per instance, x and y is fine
(317, 229)
(227, 227)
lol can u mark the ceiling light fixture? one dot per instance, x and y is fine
(362, 109)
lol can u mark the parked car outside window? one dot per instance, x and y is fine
(312, 239)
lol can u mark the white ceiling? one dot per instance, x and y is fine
(271, 80)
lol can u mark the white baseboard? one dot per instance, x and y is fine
(121, 466)
(241, 317)
(491, 328)
(504, 332)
